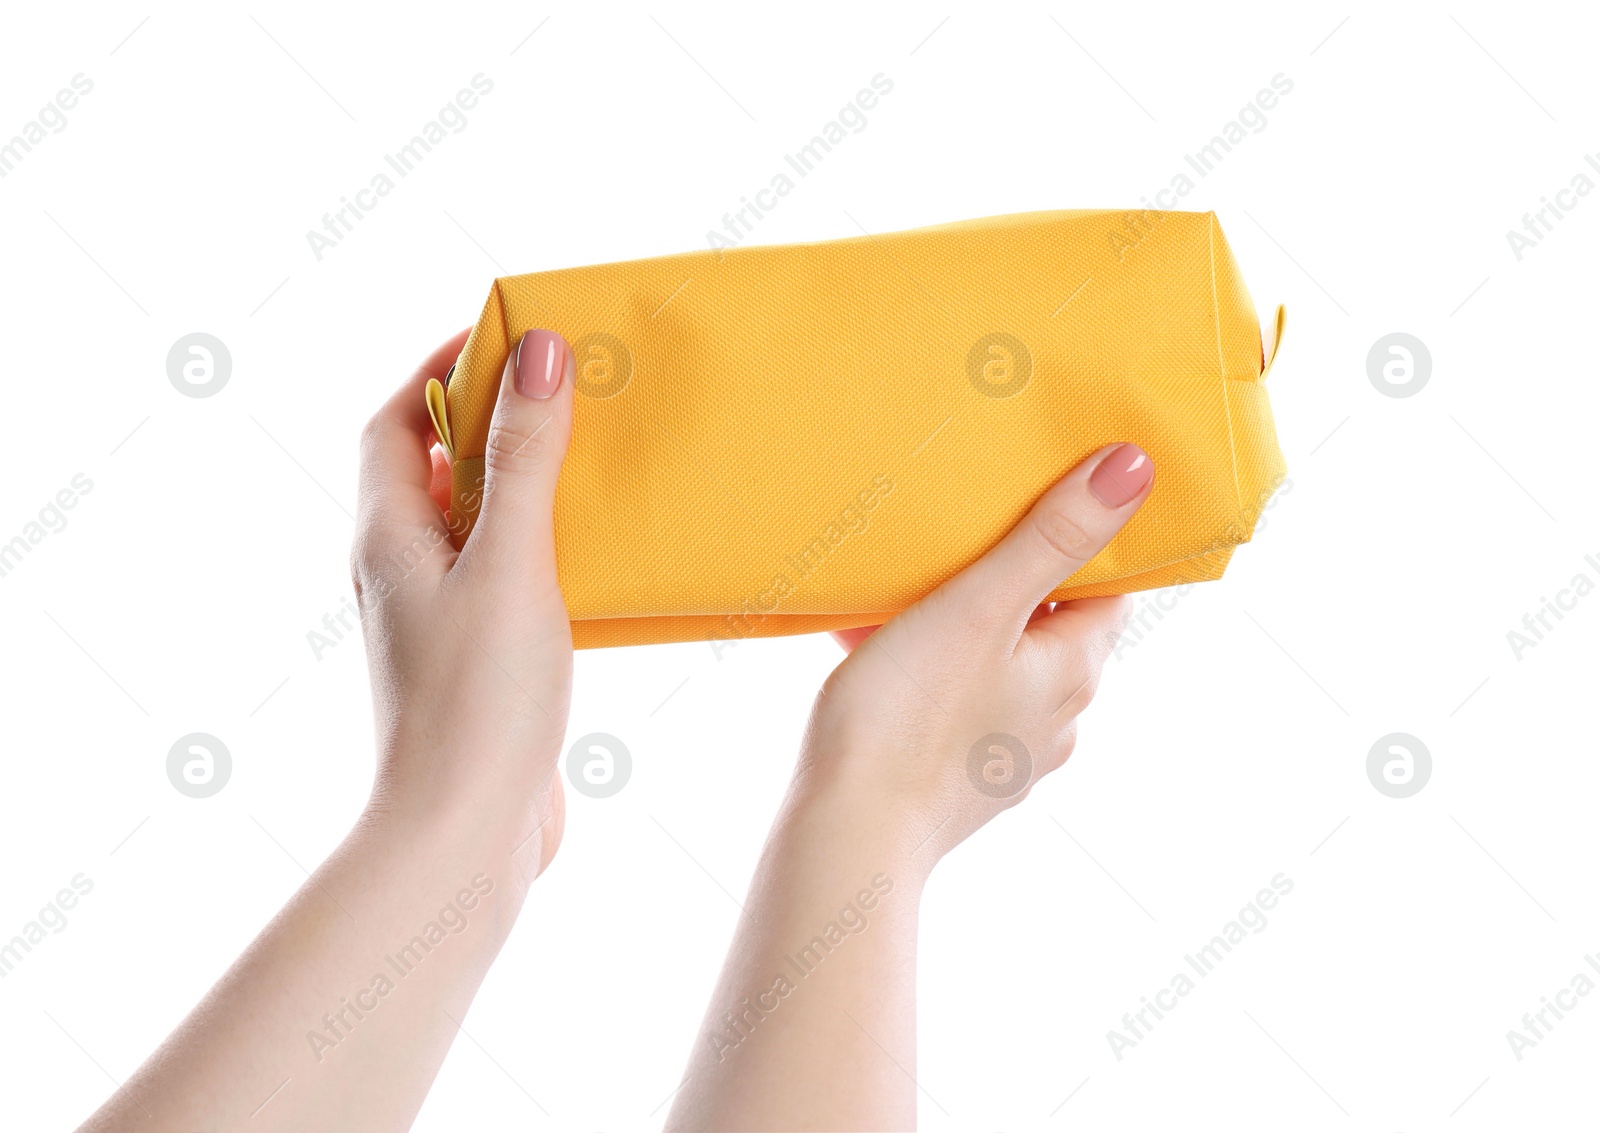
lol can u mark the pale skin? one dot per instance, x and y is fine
(882, 791)
(471, 660)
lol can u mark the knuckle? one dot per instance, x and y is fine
(362, 556)
(364, 577)
(367, 572)
(371, 571)
(514, 449)
(1063, 535)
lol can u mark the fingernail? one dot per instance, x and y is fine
(541, 360)
(1121, 476)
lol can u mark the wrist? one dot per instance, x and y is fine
(846, 831)
(503, 838)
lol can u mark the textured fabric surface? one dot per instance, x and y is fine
(788, 439)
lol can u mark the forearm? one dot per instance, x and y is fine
(813, 1022)
(340, 1012)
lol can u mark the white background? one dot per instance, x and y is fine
(1227, 747)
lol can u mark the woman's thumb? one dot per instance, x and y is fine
(522, 458)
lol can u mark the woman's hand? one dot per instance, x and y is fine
(948, 714)
(471, 653)
(935, 723)
(317, 1025)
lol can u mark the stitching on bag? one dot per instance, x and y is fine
(1222, 365)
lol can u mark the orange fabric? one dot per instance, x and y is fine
(789, 439)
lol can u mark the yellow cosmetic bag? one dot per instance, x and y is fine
(777, 440)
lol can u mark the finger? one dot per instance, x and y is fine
(1067, 527)
(393, 502)
(848, 639)
(522, 459)
(439, 484)
(1077, 640)
(1096, 622)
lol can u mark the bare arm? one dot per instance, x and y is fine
(340, 1013)
(813, 1021)
(934, 724)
